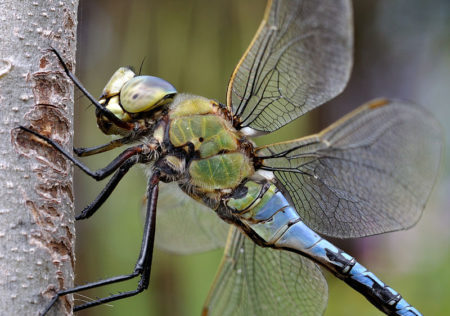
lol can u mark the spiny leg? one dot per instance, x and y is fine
(99, 174)
(81, 152)
(143, 264)
(90, 209)
(89, 151)
(104, 111)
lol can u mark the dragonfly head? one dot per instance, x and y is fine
(131, 98)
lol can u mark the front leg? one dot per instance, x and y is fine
(100, 108)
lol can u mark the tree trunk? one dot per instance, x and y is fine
(36, 201)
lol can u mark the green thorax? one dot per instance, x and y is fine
(220, 161)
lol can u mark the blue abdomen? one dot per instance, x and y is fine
(277, 223)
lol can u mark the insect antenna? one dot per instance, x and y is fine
(142, 64)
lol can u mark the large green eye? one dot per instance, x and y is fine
(122, 75)
(143, 93)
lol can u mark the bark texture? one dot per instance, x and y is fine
(36, 200)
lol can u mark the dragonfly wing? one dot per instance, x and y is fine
(370, 172)
(262, 281)
(185, 226)
(300, 57)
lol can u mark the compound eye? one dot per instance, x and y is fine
(118, 79)
(143, 93)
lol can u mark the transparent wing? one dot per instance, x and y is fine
(370, 172)
(185, 226)
(261, 281)
(300, 57)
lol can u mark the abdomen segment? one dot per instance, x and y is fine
(278, 224)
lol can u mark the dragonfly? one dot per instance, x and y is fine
(272, 206)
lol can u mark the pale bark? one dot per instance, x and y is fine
(36, 200)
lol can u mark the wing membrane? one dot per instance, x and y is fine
(262, 281)
(185, 226)
(300, 57)
(369, 173)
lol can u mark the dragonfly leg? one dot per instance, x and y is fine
(89, 151)
(99, 174)
(90, 209)
(104, 111)
(143, 264)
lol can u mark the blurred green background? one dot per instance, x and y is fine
(402, 49)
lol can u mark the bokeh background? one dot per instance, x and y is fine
(402, 49)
